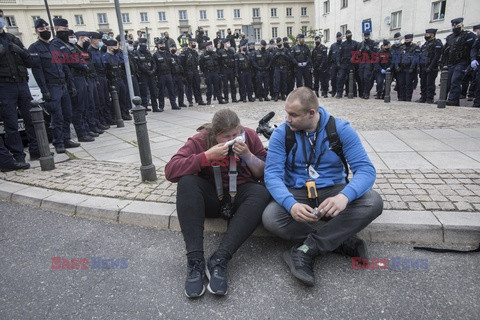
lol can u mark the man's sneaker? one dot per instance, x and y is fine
(217, 276)
(353, 247)
(301, 264)
(194, 286)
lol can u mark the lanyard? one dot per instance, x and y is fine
(312, 144)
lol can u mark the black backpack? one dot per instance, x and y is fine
(332, 136)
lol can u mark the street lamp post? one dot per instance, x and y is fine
(50, 19)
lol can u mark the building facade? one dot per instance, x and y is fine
(387, 17)
(265, 20)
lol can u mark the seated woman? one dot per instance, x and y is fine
(198, 197)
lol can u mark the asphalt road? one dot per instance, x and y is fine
(149, 283)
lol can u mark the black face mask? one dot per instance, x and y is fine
(262, 48)
(63, 35)
(427, 38)
(339, 41)
(116, 51)
(457, 30)
(161, 48)
(407, 43)
(349, 38)
(173, 51)
(279, 46)
(45, 35)
(317, 43)
(142, 48)
(194, 46)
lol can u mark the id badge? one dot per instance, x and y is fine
(312, 172)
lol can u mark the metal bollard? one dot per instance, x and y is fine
(147, 170)
(388, 86)
(442, 98)
(116, 107)
(46, 158)
(350, 85)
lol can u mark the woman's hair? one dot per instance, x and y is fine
(223, 121)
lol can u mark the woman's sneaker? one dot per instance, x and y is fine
(217, 275)
(194, 286)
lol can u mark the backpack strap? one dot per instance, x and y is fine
(335, 143)
(290, 141)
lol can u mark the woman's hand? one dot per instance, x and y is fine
(241, 148)
(216, 152)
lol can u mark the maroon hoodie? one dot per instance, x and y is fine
(190, 159)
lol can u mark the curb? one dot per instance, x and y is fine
(424, 227)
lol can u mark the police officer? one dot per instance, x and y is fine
(367, 46)
(302, 61)
(242, 71)
(406, 68)
(344, 63)
(116, 76)
(261, 62)
(190, 59)
(178, 75)
(332, 60)
(431, 52)
(320, 67)
(52, 76)
(281, 61)
(227, 63)
(209, 64)
(457, 55)
(147, 77)
(134, 68)
(251, 54)
(271, 49)
(105, 109)
(291, 67)
(14, 61)
(384, 64)
(163, 69)
(474, 64)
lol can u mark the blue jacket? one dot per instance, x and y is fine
(278, 171)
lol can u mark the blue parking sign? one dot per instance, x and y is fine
(366, 25)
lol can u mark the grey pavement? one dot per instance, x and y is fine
(442, 286)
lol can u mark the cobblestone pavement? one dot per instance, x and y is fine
(430, 186)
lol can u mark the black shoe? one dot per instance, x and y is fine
(283, 97)
(60, 149)
(353, 247)
(260, 99)
(97, 130)
(316, 93)
(430, 101)
(217, 276)
(15, 166)
(202, 103)
(338, 96)
(87, 138)
(190, 104)
(112, 122)
(19, 159)
(421, 100)
(127, 117)
(183, 105)
(251, 99)
(301, 265)
(156, 109)
(34, 156)
(234, 100)
(325, 94)
(102, 127)
(209, 103)
(147, 108)
(220, 101)
(453, 103)
(93, 134)
(275, 98)
(176, 108)
(267, 99)
(71, 144)
(194, 286)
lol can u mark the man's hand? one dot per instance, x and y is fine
(46, 96)
(302, 213)
(474, 64)
(216, 152)
(332, 206)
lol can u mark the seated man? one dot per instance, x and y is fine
(348, 207)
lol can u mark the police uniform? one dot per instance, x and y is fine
(281, 61)
(431, 52)
(178, 75)
(253, 74)
(52, 77)
(302, 61)
(227, 63)
(261, 62)
(365, 70)
(189, 59)
(14, 61)
(290, 69)
(384, 64)
(163, 69)
(332, 60)
(320, 67)
(457, 55)
(475, 65)
(209, 64)
(147, 77)
(345, 65)
(242, 70)
(406, 68)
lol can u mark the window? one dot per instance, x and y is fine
(236, 13)
(59, 17)
(162, 16)
(289, 12)
(256, 12)
(274, 32)
(35, 18)
(304, 30)
(220, 14)
(182, 14)
(396, 21)
(344, 4)
(125, 17)
(438, 10)
(326, 35)
(10, 21)
(289, 31)
(206, 33)
(273, 12)
(102, 18)
(144, 16)
(343, 28)
(257, 33)
(222, 33)
(326, 7)
(303, 11)
(203, 14)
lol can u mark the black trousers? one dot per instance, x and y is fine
(197, 199)
(323, 238)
